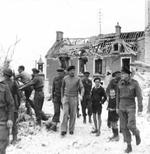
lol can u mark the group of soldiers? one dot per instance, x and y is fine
(10, 98)
(68, 90)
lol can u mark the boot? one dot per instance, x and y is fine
(98, 133)
(49, 125)
(90, 120)
(54, 128)
(84, 119)
(14, 141)
(63, 133)
(29, 111)
(38, 123)
(115, 136)
(94, 131)
(129, 148)
(138, 139)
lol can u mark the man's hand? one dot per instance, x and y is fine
(20, 88)
(139, 114)
(9, 123)
(50, 98)
(117, 111)
(62, 100)
(80, 97)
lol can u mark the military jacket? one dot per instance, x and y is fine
(87, 83)
(126, 95)
(6, 103)
(56, 87)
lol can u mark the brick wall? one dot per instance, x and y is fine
(52, 65)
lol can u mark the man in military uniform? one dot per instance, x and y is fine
(86, 102)
(7, 73)
(6, 115)
(56, 98)
(38, 85)
(25, 78)
(128, 89)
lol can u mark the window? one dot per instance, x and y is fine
(81, 66)
(64, 62)
(116, 47)
(98, 66)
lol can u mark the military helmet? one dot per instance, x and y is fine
(8, 72)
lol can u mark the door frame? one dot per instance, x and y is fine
(130, 58)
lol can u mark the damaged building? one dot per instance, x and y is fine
(99, 54)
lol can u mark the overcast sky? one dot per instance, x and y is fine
(35, 23)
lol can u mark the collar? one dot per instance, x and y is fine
(97, 87)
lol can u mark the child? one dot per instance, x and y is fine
(98, 97)
(112, 115)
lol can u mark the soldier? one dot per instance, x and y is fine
(128, 89)
(69, 92)
(25, 78)
(6, 115)
(38, 85)
(113, 116)
(86, 102)
(56, 97)
(7, 73)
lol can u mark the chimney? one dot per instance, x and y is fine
(59, 36)
(118, 29)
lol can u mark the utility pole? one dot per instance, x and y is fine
(100, 21)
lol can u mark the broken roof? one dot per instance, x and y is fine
(101, 45)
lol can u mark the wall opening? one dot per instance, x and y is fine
(98, 66)
(126, 63)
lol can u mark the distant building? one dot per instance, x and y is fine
(99, 54)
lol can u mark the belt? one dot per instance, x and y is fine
(38, 90)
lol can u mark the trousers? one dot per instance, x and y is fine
(128, 124)
(69, 113)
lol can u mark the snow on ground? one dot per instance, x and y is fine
(82, 142)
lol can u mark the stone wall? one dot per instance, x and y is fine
(147, 45)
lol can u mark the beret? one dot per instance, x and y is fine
(71, 68)
(114, 73)
(97, 78)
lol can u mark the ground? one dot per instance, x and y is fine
(35, 141)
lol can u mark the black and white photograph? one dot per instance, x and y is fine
(74, 76)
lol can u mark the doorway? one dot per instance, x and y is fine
(126, 62)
